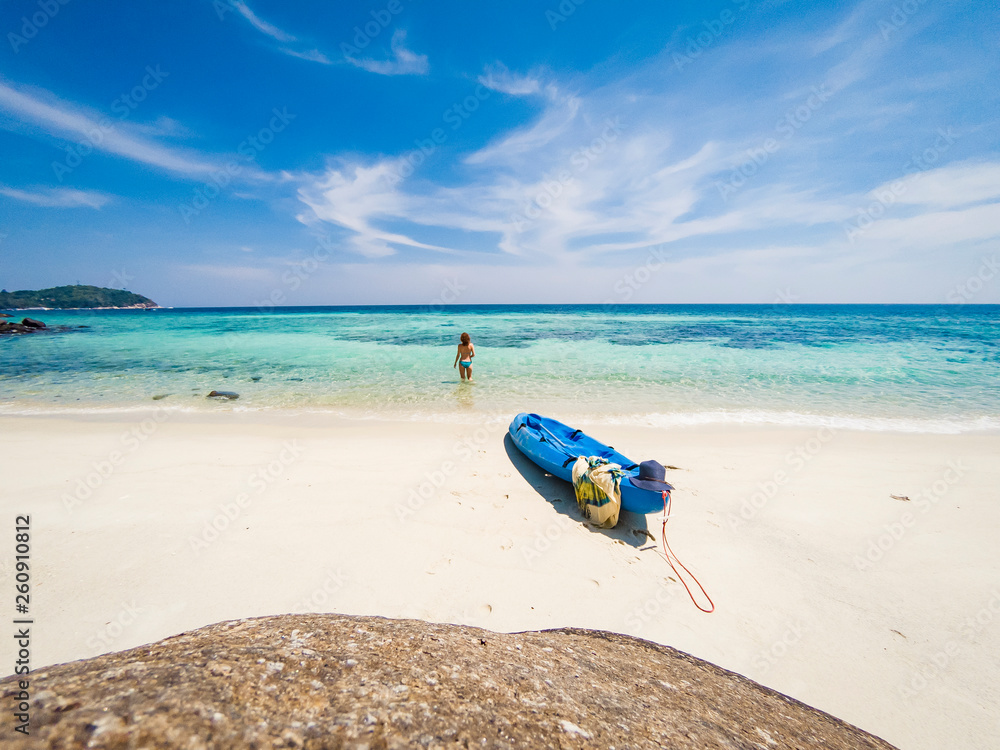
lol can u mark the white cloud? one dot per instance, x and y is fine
(101, 133)
(936, 229)
(499, 78)
(600, 176)
(354, 197)
(946, 187)
(403, 62)
(262, 26)
(312, 55)
(58, 117)
(57, 197)
(556, 120)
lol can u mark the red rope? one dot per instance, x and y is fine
(671, 558)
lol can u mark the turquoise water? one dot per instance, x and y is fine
(924, 368)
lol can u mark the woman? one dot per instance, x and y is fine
(463, 360)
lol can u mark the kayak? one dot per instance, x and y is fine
(555, 447)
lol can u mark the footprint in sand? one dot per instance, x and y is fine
(484, 610)
(506, 544)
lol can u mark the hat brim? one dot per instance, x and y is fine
(650, 484)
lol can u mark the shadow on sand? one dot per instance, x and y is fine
(631, 529)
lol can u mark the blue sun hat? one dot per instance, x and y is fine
(652, 476)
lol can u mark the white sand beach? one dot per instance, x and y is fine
(882, 612)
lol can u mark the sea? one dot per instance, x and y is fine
(907, 368)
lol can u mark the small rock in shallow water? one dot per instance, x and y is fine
(229, 395)
(160, 396)
(32, 323)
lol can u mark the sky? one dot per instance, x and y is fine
(257, 153)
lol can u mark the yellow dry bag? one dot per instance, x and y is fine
(596, 482)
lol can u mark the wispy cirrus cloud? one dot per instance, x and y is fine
(50, 116)
(57, 197)
(261, 25)
(402, 62)
(279, 35)
(557, 120)
(499, 78)
(953, 185)
(355, 197)
(59, 118)
(609, 171)
(312, 55)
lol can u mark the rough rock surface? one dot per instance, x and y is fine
(331, 681)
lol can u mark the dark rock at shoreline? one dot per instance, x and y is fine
(160, 396)
(230, 395)
(326, 681)
(30, 325)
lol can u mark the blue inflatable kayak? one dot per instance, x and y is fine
(555, 447)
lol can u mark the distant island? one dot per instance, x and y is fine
(77, 296)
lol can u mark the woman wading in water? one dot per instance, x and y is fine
(463, 359)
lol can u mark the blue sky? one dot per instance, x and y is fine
(250, 152)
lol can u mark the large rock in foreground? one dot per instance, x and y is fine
(329, 681)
